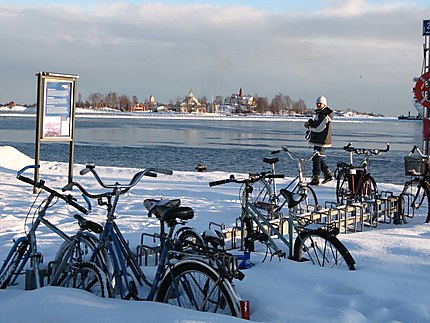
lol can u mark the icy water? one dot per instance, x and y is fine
(235, 145)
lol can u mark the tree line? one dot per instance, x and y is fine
(278, 105)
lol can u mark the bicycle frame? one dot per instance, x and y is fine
(32, 253)
(113, 240)
(355, 187)
(420, 173)
(252, 213)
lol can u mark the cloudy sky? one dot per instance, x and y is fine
(361, 54)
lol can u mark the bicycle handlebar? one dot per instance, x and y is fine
(233, 179)
(222, 181)
(416, 149)
(121, 188)
(69, 199)
(360, 151)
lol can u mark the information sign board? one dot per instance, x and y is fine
(57, 109)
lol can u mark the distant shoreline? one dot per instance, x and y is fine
(206, 116)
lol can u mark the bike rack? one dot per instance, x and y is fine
(148, 254)
(354, 217)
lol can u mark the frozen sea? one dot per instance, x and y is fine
(230, 144)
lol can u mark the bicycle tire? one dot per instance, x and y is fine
(188, 238)
(368, 189)
(86, 276)
(86, 250)
(10, 267)
(187, 285)
(415, 201)
(323, 249)
(343, 190)
(310, 203)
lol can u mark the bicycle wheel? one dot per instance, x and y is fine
(343, 189)
(368, 189)
(310, 203)
(86, 276)
(261, 192)
(10, 266)
(84, 252)
(194, 285)
(415, 201)
(188, 239)
(323, 249)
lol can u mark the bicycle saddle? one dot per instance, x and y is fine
(268, 160)
(293, 199)
(85, 224)
(151, 203)
(169, 214)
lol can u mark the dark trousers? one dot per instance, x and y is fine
(319, 163)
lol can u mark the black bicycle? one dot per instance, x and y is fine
(415, 197)
(354, 182)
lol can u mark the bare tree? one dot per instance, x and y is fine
(262, 105)
(95, 99)
(112, 100)
(135, 100)
(124, 103)
(299, 106)
(288, 103)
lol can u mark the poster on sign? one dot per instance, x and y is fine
(57, 109)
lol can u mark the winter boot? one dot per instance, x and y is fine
(315, 180)
(327, 176)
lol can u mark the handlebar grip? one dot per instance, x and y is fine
(347, 147)
(28, 181)
(151, 174)
(275, 176)
(84, 171)
(223, 181)
(275, 152)
(22, 170)
(386, 149)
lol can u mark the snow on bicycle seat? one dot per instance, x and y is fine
(293, 199)
(151, 203)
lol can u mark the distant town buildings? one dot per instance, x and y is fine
(239, 103)
(190, 104)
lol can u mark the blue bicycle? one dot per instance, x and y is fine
(72, 270)
(186, 282)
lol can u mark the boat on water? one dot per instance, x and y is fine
(409, 117)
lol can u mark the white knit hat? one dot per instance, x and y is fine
(322, 99)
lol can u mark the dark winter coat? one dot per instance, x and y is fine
(320, 127)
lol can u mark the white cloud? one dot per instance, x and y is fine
(165, 50)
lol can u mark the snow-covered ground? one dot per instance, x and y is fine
(391, 282)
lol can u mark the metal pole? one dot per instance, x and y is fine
(426, 67)
(72, 134)
(38, 130)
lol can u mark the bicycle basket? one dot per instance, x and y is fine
(416, 165)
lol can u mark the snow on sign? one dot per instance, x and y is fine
(426, 27)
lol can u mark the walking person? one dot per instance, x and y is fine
(320, 136)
